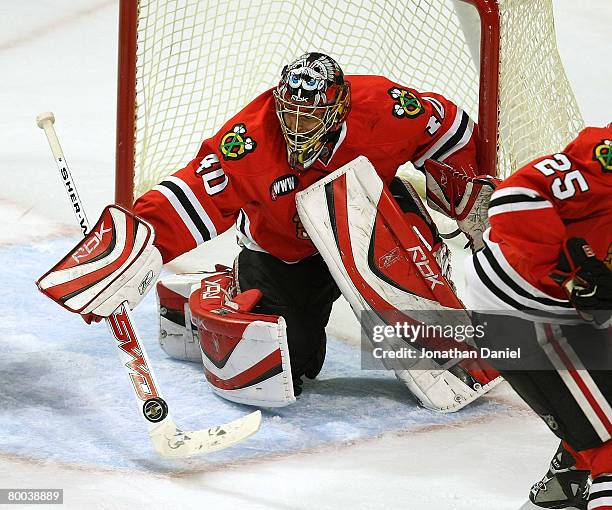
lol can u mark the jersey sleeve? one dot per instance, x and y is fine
(192, 206)
(444, 133)
(526, 221)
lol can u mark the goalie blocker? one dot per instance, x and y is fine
(116, 262)
(245, 355)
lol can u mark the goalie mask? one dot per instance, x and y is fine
(312, 101)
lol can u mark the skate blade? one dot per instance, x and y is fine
(528, 505)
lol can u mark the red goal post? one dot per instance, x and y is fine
(172, 55)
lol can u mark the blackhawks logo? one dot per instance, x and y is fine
(407, 104)
(603, 154)
(234, 145)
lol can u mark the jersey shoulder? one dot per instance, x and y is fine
(374, 88)
(251, 141)
(590, 153)
(378, 94)
(382, 110)
(591, 150)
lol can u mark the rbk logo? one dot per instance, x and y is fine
(422, 262)
(90, 244)
(144, 284)
(213, 289)
(283, 185)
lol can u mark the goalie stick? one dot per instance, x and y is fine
(168, 439)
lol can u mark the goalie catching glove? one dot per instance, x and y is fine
(460, 197)
(587, 281)
(116, 262)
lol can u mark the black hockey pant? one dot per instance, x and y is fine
(568, 382)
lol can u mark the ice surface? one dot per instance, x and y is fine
(62, 381)
(66, 413)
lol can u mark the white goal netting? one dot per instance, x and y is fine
(199, 62)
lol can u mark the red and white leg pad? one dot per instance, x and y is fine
(383, 260)
(178, 337)
(245, 355)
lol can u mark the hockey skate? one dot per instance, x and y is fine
(563, 486)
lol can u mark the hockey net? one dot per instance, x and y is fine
(186, 66)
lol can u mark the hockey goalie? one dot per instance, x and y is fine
(306, 173)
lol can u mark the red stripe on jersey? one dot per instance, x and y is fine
(577, 377)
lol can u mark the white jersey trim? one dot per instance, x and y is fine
(511, 272)
(514, 190)
(516, 199)
(502, 288)
(196, 204)
(245, 238)
(341, 137)
(188, 207)
(243, 231)
(461, 143)
(461, 127)
(517, 207)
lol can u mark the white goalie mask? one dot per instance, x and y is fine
(312, 101)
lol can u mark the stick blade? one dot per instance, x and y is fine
(172, 442)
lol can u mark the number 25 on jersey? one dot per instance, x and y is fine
(562, 187)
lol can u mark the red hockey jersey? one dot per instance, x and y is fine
(533, 212)
(241, 175)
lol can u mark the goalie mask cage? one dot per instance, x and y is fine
(186, 66)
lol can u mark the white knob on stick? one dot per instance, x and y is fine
(43, 118)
